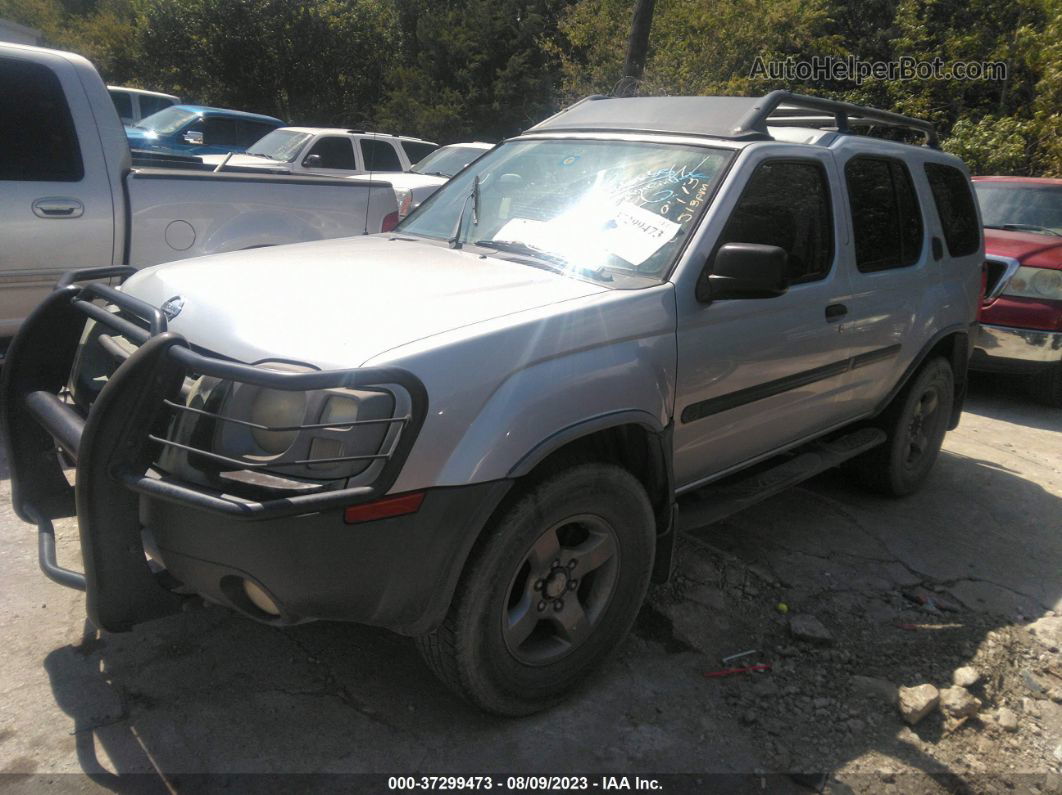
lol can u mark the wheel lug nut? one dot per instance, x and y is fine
(556, 563)
(541, 606)
(558, 605)
(571, 563)
(539, 584)
(573, 585)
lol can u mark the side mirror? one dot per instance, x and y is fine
(745, 270)
(193, 137)
(312, 161)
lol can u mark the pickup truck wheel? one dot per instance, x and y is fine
(915, 423)
(1046, 387)
(550, 591)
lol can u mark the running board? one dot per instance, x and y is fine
(716, 501)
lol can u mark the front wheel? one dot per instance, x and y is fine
(915, 422)
(549, 592)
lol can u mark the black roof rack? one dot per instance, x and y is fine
(789, 109)
(735, 118)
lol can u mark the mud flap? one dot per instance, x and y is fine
(664, 561)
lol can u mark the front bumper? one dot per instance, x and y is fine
(397, 572)
(1015, 350)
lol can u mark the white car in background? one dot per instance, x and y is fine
(134, 104)
(328, 151)
(422, 180)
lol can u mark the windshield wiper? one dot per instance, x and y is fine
(1024, 228)
(547, 261)
(473, 195)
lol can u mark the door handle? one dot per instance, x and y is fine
(835, 312)
(58, 207)
(938, 249)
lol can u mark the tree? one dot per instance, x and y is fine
(472, 69)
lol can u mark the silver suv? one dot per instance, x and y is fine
(474, 430)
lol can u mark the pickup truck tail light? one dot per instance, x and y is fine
(390, 221)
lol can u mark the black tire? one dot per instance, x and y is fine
(478, 651)
(1046, 387)
(915, 422)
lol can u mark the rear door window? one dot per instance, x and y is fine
(123, 103)
(379, 156)
(787, 204)
(38, 141)
(416, 150)
(955, 207)
(335, 152)
(886, 217)
(252, 132)
(150, 104)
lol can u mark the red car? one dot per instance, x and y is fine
(1021, 317)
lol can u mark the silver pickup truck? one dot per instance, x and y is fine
(476, 430)
(70, 197)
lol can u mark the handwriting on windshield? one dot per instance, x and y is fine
(675, 190)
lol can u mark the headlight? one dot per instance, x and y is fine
(1035, 283)
(276, 408)
(280, 433)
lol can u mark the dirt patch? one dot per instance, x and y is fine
(826, 711)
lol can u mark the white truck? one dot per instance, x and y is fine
(70, 196)
(428, 175)
(327, 151)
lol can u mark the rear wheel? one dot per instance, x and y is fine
(915, 422)
(549, 593)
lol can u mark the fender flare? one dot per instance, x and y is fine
(578, 430)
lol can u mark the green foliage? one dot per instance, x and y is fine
(464, 69)
(992, 145)
(318, 62)
(472, 69)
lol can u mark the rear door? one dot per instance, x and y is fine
(755, 375)
(56, 210)
(894, 273)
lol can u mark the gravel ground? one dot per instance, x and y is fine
(846, 596)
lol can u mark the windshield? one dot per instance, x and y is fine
(283, 145)
(1023, 207)
(604, 207)
(167, 121)
(448, 161)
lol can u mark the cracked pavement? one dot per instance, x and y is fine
(211, 692)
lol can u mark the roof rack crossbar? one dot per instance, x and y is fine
(842, 114)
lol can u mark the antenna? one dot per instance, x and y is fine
(368, 199)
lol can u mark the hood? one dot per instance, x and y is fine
(337, 303)
(403, 179)
(1029, 248)
(246, 160)
(139, 134)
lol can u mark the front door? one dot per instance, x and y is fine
(760, 373)
(56, 209)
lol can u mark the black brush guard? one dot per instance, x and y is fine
(115, 446)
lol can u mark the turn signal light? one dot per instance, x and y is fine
(386, 508)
